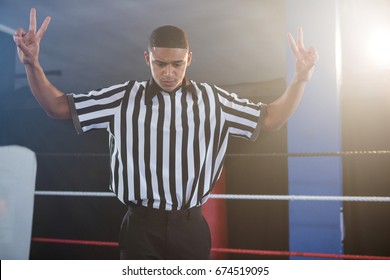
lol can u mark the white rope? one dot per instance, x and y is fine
(302, 197)
(311, 154)
(70, 193)
(237, 196)
(299, 154)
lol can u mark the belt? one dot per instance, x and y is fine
(159, 215)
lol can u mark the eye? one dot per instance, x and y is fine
(177, 64)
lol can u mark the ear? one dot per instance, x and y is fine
(189, 58)
(147, 57)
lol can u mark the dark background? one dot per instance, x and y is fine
(91, 44)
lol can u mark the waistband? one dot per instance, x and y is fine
(165, 215)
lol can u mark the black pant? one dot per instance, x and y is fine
(148, 233)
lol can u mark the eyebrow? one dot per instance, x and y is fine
(168, 62)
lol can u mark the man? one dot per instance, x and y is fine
(167, 137)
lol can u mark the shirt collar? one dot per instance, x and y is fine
(152, 88)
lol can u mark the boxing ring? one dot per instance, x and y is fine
(251, 197)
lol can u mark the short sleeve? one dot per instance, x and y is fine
(96, 109)
(243, 117)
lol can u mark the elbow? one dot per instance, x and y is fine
(59, 110)
(272, 126)
(274, 120)
(53, 115)
(58, 115)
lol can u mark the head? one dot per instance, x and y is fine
(168, 56)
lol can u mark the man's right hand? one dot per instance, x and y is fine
(52, 100)
(28, 42)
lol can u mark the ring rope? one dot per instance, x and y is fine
(222, 250)
(300, 154)
(302, 197)
(73, 193)
(236, 196)
(311, 154)
(297, 254)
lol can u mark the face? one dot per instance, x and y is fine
(168, 66)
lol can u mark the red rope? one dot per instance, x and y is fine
(297, 254)
(78, 242)
(224, 250)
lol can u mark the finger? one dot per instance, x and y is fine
(313, 54)
(43, 27)
(20, 32)
(293, 45)
(20, 44)
(33, 20)
(301, 46)
(310, 59)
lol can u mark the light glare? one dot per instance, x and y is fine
(379, 45)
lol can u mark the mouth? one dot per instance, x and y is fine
(168, 84)
(168, 81)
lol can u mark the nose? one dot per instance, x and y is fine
(168, 70)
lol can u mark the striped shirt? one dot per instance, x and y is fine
(166, 149)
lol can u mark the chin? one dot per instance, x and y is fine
(170, 89)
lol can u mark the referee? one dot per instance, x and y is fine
(167, 137)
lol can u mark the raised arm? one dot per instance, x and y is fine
(282, 108)
(53, 101)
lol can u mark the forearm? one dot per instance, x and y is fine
(53, 101)
(279, 111)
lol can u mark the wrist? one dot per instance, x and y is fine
(35, 65)
(299, 81)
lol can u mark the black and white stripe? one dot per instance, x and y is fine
(167, 153)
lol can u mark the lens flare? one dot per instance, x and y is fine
(379, 45)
